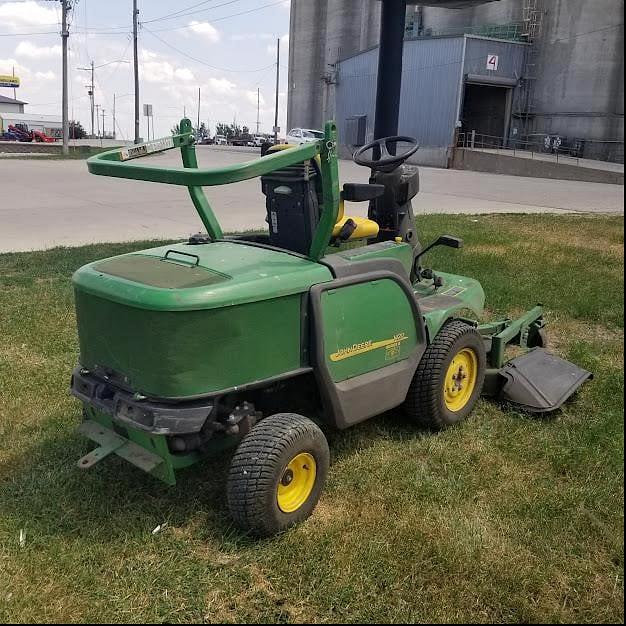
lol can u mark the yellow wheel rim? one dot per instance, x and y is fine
(296, 483)
(461, 380)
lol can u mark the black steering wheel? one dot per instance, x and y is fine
(384, 157)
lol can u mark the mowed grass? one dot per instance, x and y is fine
(504, 518)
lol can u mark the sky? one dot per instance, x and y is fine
(227, 48)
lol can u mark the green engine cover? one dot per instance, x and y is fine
(170, 325)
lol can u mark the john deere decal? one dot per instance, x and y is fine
(392, 346)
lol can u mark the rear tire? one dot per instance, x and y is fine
(277, 474)
(449, 378)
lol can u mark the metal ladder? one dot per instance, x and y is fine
(532, 22)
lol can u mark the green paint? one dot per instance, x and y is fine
(157, 445)
(247, 274)
(389, 250)
(331, 193)
(366, 327)
(438, 310)
(177, 354)
(112, 163)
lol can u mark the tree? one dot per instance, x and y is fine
(203, 131)
(76, 130)
(228, 130)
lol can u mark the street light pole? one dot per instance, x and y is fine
(136, 70)
(277, 91)
(98, 118)
(64, 37)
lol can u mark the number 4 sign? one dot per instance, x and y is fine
(493, 60)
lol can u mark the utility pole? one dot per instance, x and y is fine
(64, 37)
(277, 89)
(258, 110)
(98, 118)
(198, 126)
(136, 68)
(114, 131)
(102, 136)
(90, 91)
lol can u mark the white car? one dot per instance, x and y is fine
(303, 135)
(220, 140)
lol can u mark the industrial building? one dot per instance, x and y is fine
(511, 72)
(11, 105)
(12, 113)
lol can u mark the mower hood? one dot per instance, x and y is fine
(185, 277)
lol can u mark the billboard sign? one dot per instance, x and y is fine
(6, 80)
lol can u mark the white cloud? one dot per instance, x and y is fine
(251, 97)
(33, 51)
(9, 64)
(16, 15)
(206, 30)
(49, 75)
(221, 86)
(163, 71)
(284, 46)
(147, 55)
(184, 74)
(251, 36)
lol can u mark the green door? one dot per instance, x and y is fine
(366, 326)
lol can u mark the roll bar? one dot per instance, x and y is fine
(117, 163)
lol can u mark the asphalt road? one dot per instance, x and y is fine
(46, 203)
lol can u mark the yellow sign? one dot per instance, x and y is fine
(9, 81)
(392, 346)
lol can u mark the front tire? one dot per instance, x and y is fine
(449, 379)
(277, 474)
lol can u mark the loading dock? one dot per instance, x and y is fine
(450, 84)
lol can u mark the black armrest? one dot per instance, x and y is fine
(359, 192)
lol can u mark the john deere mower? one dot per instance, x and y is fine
(258, 342)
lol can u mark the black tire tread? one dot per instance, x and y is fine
(256, 464)
(423, 401)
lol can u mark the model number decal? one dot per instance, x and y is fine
(392, 348)
(134, 152)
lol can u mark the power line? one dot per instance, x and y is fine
(213, 67)
(186, 12)
(226, 17)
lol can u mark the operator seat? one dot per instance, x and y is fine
(347, 228)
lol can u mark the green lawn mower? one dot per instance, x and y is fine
(253, 342)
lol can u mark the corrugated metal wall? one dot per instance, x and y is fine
(431, 81)
(511, 57)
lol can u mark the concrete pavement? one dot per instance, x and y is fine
(46, 203)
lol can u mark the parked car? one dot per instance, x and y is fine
(220, 140)
(256, 141)
(206, 141)
(303, 135)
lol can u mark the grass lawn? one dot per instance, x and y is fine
(504, 518)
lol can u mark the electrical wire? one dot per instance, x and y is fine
(213, 67)
(225, 17)
(183, 13)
